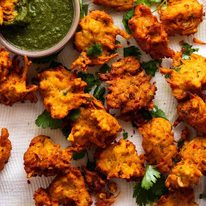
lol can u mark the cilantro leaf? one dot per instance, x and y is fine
(94, 50)
(90, 79)
(187, 50)
(144, 2)
(74, 114)
(144, 197)
(104, 68)
(125, 134)
(156, 112)
(99, 93)
(167, 76)
(45, 120)
(132, 51)
(79, 155)
(151, 67)
(126, 17)
(150, 177)
(83, 9)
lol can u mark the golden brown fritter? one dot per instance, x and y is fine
(44, 157)
(158, 143)
(14, 87)
(5, 64)
(192, 166)
(94, 126)
(185, 197)
(8, 10)
(67, 189)
(62, 91)
(149, 33)
(120, 160)
(129, 87)
(5, 148)
(96, 28)
(181, 16)
(186, 75)
(120, 5)
(193, 112)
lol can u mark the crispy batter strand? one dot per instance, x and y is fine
(62, 91)
(158, 143)
(5, 64)
(149, 33)
(94, 126)
(44, 157)
(96, 28)
(181, 16)
(67, 189)
(187, 75)
(120, 160)
(129, 87)
(5, 148)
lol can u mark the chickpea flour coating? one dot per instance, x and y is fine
(66, 189)
(62, 91)
(96, 28)
(149, 33)
(193, 111)
(119, 5)
(129, 87)
(5, 148)
(158, 143)
(120, 160)
(44, 157)
(181, 16)
(94, 127)
(186, 75)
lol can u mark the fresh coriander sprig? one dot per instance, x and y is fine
(95, 50)
(126, 17)
(187, 50)
(151, 67)
(132, 51)
(83, 9)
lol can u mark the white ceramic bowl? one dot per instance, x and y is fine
(53, 49)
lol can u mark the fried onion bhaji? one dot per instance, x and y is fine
(193, 112)
(66, 189)
(158, 143)
(120, 5)
(129, 87)
(186, 75)
(13, 86)
(149, 33)
(192, 166)
(5, 148)
(44, 157)
(97, 28)
(94, 127)
(185, 197)
(120, 160)
(5, 64)
(181, 16)
(62, 91)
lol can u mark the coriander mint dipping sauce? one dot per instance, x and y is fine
(49, 25)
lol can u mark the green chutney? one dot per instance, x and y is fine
(49, 22)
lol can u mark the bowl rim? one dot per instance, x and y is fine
(54, 49)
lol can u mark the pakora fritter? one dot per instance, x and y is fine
(13, 86)
(149, 33)
(5, 64)
(66, 189)
(129, 87)
(158, 143)
(186, 75)
(62, 91)
(185, 197)
(120, 5)
(181, 16)
(96, 29)
(5, 148)
(193, 112)
(94, 126)
(103, 190)
(44, 157)
(188, 171)
(120, 160)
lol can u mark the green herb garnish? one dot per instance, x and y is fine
(104, 68)
(74, 114)
(156, 112)
(151, 67)
(202, 196)
(126, 17)
(83, 9)
(187, 50)
(125, 134)
(99, 93)
(79, 155)
(94, 50)
(132, 51)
